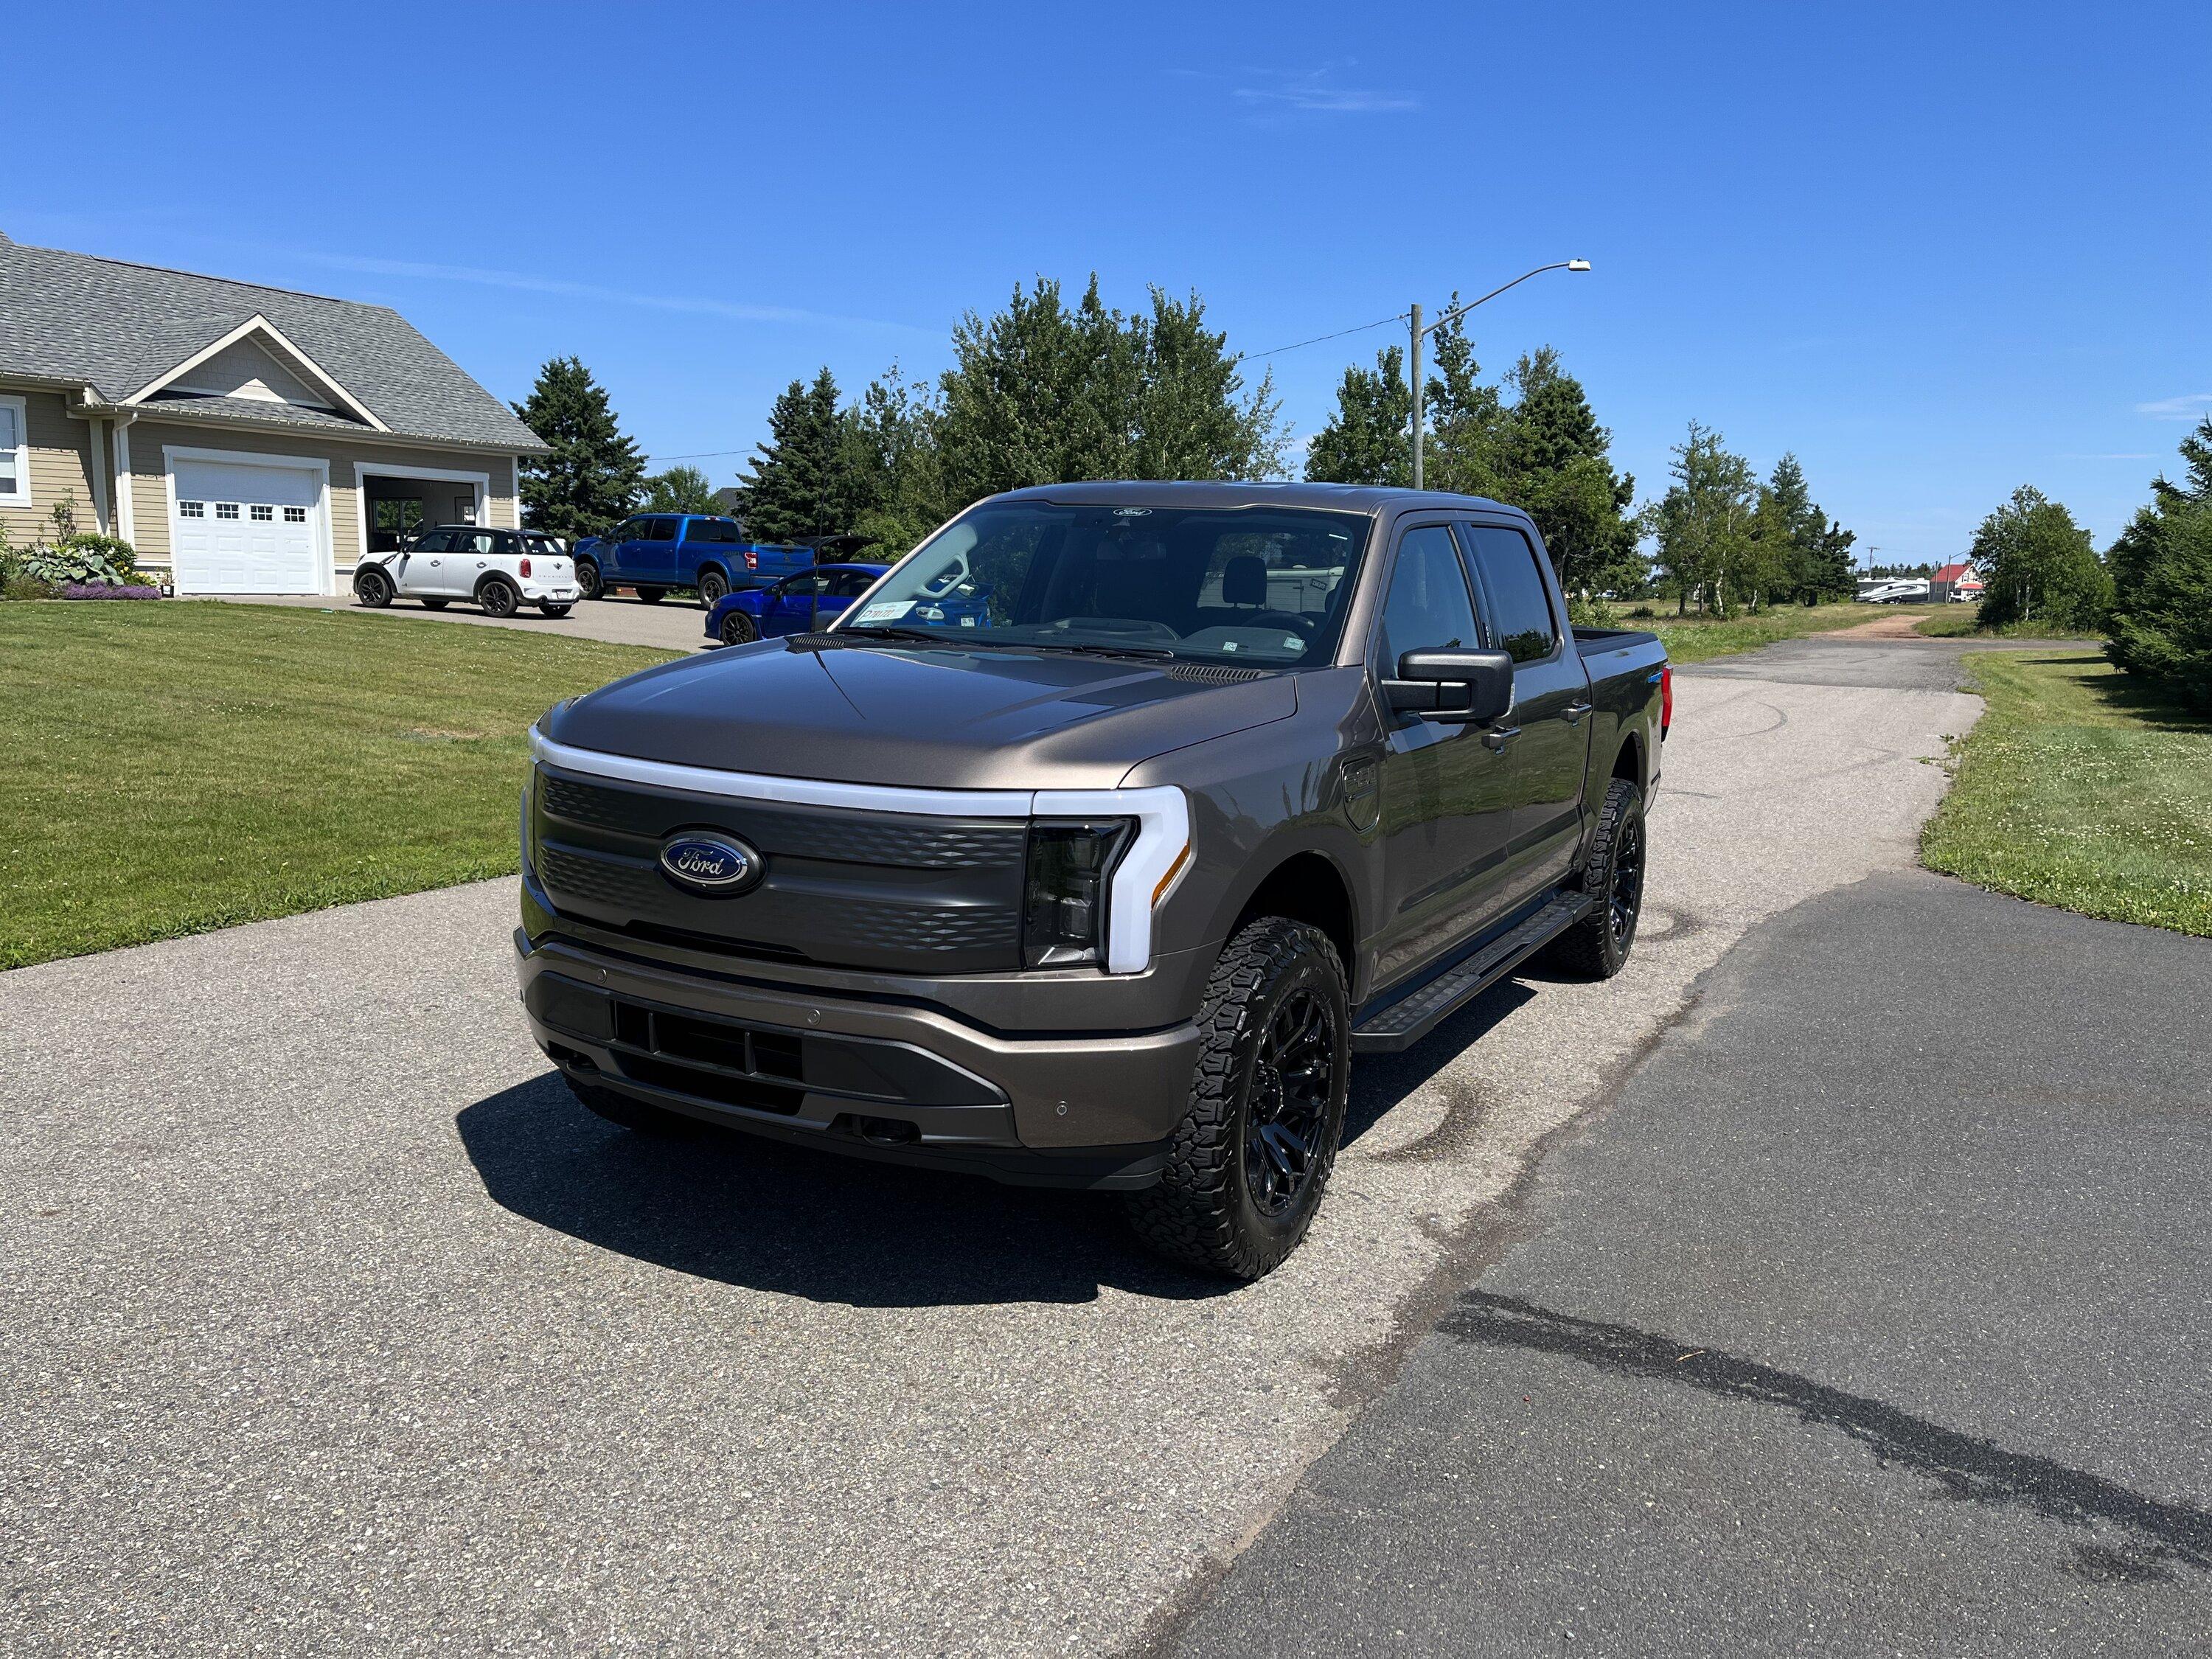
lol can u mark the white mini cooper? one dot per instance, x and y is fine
(499, 571)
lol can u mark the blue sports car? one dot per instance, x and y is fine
(799, 604)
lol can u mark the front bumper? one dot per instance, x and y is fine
(874, 1079)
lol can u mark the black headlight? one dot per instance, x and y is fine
(1064, 904)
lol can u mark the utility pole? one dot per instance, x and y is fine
(1419, 333)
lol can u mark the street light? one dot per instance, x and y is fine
(1419, 333)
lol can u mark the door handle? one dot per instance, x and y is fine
(1576, 711)
(1498, 737)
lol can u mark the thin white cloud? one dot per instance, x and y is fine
(1320, 93)
(524, 282)
(2178, 409)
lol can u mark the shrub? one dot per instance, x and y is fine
(57, 567)
(108, 591)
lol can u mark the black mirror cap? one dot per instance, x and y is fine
(1452, 684)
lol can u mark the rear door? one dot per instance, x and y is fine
(1446, 819)
(1549, 745)
(656, 553)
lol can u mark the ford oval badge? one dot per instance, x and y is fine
(710, 864)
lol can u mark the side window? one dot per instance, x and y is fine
(661, 530)
(480, 541)
(438, 540)
(849, 584)
(630, 530)
(1428, 608)
(800, 587)
(712, 529)
(1522, 625)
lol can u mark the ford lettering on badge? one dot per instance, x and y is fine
(709, 864)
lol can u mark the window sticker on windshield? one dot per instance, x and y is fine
(968, 621)
(884, 610)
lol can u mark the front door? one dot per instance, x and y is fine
(1446, 818)
(790, 607)
(623, 551)
(1551, 713)
(430, 566)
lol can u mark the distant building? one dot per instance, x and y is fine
(728, 499)
(1954, 582)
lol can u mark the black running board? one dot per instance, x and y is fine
(1413, 1015)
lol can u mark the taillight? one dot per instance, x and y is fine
(752, 560)
(526, 566)
(1665, 700)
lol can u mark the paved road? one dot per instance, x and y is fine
(333, 1324)
(1874, 1316)
(673, 624)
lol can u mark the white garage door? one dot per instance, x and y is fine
(237, 528)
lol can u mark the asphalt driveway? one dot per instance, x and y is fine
(335, 1324)
(1871, 1316)
(673, 624)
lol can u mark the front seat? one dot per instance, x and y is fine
(1244, 582)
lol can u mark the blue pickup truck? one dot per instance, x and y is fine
(652, 552)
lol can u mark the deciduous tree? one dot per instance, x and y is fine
(2038, 565)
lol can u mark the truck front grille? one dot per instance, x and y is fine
(882, 891)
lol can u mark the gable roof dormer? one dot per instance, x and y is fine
(256, 362)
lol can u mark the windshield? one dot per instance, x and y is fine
(1264, 586)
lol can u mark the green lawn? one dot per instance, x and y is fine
(170, 768)
(2081, 788)
(1694, 639)
(1960, 621)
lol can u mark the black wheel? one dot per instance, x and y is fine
(497, 598)
(634, 1114)
(737, 630)
(1252, 1155)
(373, 588)
(1598, 945)
(713, 584)
(650, 595)
(435, 604)
(587, 579)
(556, 611)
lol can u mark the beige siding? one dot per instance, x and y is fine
(347, 458)
(244, 369)
(60, 465)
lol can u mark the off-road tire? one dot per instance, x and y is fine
(650, 595)
(737, 630)
(588, 577)
(373, 588)
(633, 1114)
(498, 598)
(1202, 1214)
(1598, 946)
(713, 584)
(556, 612)
(435, 604)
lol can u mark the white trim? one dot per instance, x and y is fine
(1163, 816)
(430, 474)
(98, 473)
(20, 496)
(126, 512)
(257, 324)
(325, 556)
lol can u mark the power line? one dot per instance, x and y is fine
(1276, 352)
(700, 455)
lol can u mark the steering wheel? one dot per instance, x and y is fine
(1304, 627)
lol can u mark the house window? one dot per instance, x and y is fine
(226, 509)
(191, 509)
(15, 455)
(261, 514)
(295, 515)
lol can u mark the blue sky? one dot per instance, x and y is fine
(1937, 250)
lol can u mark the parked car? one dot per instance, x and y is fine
(796, 603)
(1104, 885)
(499, 570)
(652, 552)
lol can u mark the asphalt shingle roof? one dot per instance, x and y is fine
(115, 327)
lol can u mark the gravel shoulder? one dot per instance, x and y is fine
(335, 1323)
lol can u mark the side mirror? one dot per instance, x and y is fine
(1463, 687)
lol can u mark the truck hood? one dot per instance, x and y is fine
(917, 715)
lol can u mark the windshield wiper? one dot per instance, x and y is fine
(958, 638)
(1093, 648)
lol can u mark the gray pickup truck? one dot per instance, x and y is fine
(1091, 843)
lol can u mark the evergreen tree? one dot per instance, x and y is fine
(1365, 440)
(592, 478)
(798, 482)
(2161, 570)
(1815, 551)
(2038, 565)
(891, 461)
(1464, 439)
(679, 489)
(1557, 467)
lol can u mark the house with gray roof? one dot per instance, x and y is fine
(246, 439)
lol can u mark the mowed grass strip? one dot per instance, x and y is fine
(174, 767)
(1964, 621)
(1694, 638)
(2083, 788)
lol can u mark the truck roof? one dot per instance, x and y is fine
(1341, 498)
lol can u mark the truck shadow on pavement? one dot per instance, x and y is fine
(2155, 1536)
(744, 1211)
